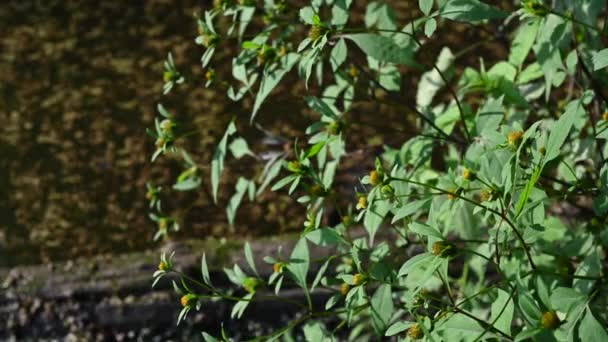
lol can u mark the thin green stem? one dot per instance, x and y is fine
(502, 215)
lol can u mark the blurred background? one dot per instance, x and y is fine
(79, 83)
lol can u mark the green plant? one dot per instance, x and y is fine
(504, 181)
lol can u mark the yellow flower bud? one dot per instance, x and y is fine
(362, 204)
(605, 116)
(374, 178)
(188, 300)
(549, 320)
(277, 267)
(468, 174)
(415, 332)
(162, 266)
(359, 279)
(344, 289)
(514, 138)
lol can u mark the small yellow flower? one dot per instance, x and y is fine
(163, 223)
(353, 71)
(160, 142)
(210, 75)
(486, 195)
(468, 174)
(453, 194)
(162, 266)
(415, 332)
(605, 116)
(359, 279)
(514, 138)
(362, 203)
(442, 249)
(277, 267)
(166, 126)
(344, 289)
(374, 178)
(549, 320)
(188, 300)
(318, 191)
(316, 32)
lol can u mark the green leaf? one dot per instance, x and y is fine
(239, 308)
(209, 338)
(324, 237)
(382, 308)
(470, 11)
(526, 335)
(462, 325)
(398, 327)
(409, 209)
(522, 44)
(271, 78)
(591, 330)
(529, 308)
(320, 274)
(205, 270)
(340, 12)
(425, 230)
(425, 6)
(561, 129)
(415, 262)
(590, 267)
(217, 164)
(566, 299)
(239, 148)
(490, 115)
(298, 263)
(249, 257)
(600, 59)
(430, 26)
(235, 201)
(321, 107)
(502, 311)
(338, 54)
(374, 216)
(431, 81)
(306, 15)
(383, 48)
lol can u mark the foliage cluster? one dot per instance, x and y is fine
(488, 224)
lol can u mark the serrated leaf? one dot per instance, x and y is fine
(425, 230)
(383, 48)
(415, 262)
(502, 311)
(240, 148)
(431, 81)
(205, 271)
(470, 11)
(522, 44)
(338, 54)
(272, 78)
(398, 327)
(249, 257)
(217, 164)
(425, 6)
(382, 308)
(324, 237)
(600, 59)
(591, 330)
(298, 262)
(410, 209)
